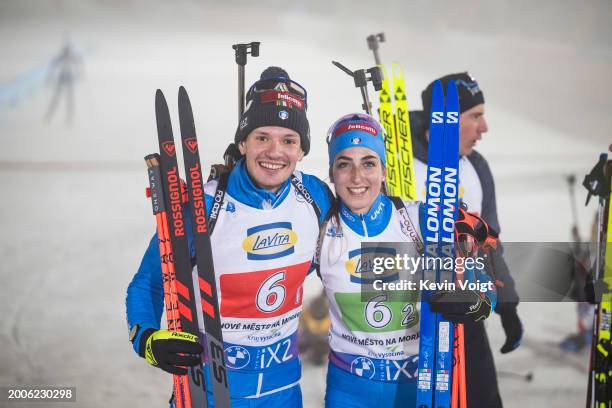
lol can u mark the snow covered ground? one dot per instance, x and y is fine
(74, 221)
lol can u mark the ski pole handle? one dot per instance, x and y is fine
(361, 79)
(241, 52)
(373, 41)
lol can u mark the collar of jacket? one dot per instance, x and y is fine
(373, 222)
(241, 187)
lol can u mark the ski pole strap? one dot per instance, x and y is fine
(406, 223)
(301, 188)
(322, 232)
(217, 202)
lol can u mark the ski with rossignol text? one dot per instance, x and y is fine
(436, 334)
(156, 193)
(194, 394)
(204, 261)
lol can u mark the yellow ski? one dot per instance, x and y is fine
(403, 137)
(385, 113)
(600, 389)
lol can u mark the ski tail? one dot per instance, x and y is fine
(403, 136)
(205, 284)
(194, 394)
(385, 113)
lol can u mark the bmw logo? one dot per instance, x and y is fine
(363, 367)
(283, 114)
(356, 140)
(237, 357)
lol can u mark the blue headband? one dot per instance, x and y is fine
(350, 135)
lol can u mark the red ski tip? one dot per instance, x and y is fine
(148, 192)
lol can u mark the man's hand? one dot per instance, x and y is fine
(171, 351)
(512, 327)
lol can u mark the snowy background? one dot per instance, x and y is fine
(74, 221)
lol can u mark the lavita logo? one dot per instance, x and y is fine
(269, 241)
(360, 265)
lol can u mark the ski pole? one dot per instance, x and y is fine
(242, 50)
(527, 377)
(361, 79)
(182, 394)
(232, 153)
(597, 184)
(373, 41)
(571, 180)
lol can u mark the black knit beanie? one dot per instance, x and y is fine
(278, 107)
(469, 92)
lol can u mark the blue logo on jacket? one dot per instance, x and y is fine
(363, 367)
(237, 357)
(359, 265)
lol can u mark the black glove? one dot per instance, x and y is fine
(460, 306)
(512, 327)
(171, 351)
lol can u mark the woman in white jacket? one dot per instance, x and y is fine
(374, 335)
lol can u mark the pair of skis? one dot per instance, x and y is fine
(190, 295)
(435, 386)
(441, 348)
(599, 183)
(398, 141)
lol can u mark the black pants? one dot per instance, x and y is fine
(481, 377)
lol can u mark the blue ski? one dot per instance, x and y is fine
(448, 215)
(427, 340)
(436, 333)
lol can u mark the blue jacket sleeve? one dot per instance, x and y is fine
(508, 297)
(145, 293)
